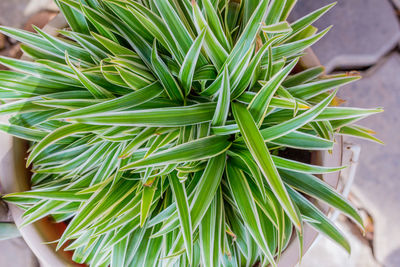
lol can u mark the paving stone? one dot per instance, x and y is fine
(2, 41)
(326, 253)
(363, 31)
(377, 182)
(396, 3)
(5, 216)
(39, 19)
(35, 6)
(15, 253)
(12, 12)
(15, 13)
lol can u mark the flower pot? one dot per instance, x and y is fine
(15, 177)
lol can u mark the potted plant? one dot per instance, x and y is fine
(169, 132)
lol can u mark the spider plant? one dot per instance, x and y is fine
(157, 129)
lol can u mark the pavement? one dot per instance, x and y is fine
(365, 37)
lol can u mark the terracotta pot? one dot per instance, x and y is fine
(14, 177)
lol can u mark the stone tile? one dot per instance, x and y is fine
(396, 3)
(12, 12)
(363, 31)
(326, 253)
(15, 13)
(39, 19)
(35, 6)
(377, 182)
(2, 41)
(15, 253)
(5, 215)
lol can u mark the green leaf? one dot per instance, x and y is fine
(207, 187)
(243, 159)
(154, 24)
(182, 203)
(175, 25)
(214, 49)
(115, 48)
(300, 140)
(90, 44)
(134, 81)
(322, 223)
(54, 195)
(308, 90)
(289, 5)
(303, 76)
(127, 101)
(147, 199)
(203, 194)
(250, 75)
(109, 165)
(70, 165)
(314, 187)
(131, 21)
(258, 149)
(215, 24)
(340, 113)
(36, 69)
(119, 253)
(249, 7)
(307, 20)
(101, 23)
(75, 19)
(198, 149)
(138, 141)
(100, 203)
(158, 117)
(214, 86)
(189, 64)
(154, 248)
(130, 142)
(248, 35)
(291, 125)
(259, 105)
(210, 232)
(96, 90)
(296, 166)
(31, 39)
(359, 131)
(279, 27)
(240, 71)
(167, 80)
(293, 48)
(40, 211)
(58, 134)
(247, 208)
(22, 132)
(223, 104)
(66, 47)
(70, 104)
(275, 10)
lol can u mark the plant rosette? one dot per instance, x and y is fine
(169, 132)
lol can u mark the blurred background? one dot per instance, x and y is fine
(365, 38)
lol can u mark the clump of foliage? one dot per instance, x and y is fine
(156, 126)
